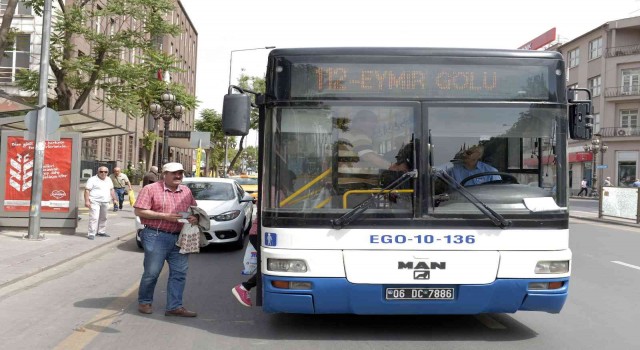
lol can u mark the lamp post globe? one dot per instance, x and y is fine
(168, 110)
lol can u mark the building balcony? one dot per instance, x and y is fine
(622, 91)
(623, 50)
(619, 132)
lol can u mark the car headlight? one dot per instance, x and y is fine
(230, 215)
(286, 265)
(551, 267)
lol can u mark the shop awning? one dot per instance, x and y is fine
(71, 121)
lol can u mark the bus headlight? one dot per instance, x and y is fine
(286, 265)
(552, 267)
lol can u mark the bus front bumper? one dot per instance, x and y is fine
(338, 296)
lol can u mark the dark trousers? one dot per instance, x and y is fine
(585, 191)
(120, 193)
(252, 281)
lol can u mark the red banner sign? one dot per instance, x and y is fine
(56, 179)
(540, 41)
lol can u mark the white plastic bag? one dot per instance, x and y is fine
(250, 260)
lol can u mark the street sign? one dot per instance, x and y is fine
(52, 123)
(179, 134)
(603, 166)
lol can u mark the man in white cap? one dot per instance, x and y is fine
(159, 206)
(607, 181)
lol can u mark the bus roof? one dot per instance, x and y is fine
(416, 51)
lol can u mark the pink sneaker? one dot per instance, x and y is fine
(242, 295)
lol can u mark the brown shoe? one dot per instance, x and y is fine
(181, 311)
(145, 308)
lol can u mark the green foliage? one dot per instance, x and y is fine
(149, 139)
(256, 84)
(211, 121)
(118, 33)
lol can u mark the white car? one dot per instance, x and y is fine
(229, 207)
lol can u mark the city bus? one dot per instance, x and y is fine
(363, 209)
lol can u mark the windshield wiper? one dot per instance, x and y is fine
(359, 209)
(495, 218)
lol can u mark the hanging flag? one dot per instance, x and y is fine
(198, 161)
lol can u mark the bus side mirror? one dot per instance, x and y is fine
(580, 121)
(236, 109)
(580, 118)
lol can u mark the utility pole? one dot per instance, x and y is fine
(40, 134)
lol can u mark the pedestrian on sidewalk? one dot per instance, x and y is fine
(241, 291)
(120, 180)
(98, 192)
(151, 176)
(583, 187)
(160, 206)
(607, 181)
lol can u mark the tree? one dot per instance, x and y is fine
(256, 84)
(5, 27)
(115, 33)
(211, 121)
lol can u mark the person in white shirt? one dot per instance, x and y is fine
(98, 192)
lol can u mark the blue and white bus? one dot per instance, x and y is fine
(363, 209)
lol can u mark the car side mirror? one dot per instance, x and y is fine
(247, 198)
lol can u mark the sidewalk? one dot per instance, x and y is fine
(21, 258)
(593, 216)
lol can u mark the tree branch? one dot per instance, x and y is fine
(97, 66)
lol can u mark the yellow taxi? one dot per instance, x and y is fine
(249, 184)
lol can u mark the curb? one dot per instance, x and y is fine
(605, 221)
(58, 263)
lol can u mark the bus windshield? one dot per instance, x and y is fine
(328, 160)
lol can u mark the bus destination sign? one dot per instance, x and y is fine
(420, 81)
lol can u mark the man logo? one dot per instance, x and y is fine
(421, 275)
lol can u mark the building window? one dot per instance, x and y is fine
(21, 9)
(628, 118)
(120, 147)
(630, 81)
(595, 48)
(596, 123)
(108, 145)
(575, 94)
(627, 166)
(15, 58)
(574, 57)
(130, 149)
(594, 85)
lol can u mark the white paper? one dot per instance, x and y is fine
(542, 204)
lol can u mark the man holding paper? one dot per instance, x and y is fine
(161, 207)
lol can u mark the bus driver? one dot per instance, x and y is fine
(469, 164)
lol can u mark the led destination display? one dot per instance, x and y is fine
(420, 81)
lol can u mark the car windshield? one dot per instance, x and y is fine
(211, 191)
(246, 180)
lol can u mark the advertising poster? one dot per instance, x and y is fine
(56, 183)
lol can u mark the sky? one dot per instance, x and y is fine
(224, 26)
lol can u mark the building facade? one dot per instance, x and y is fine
(606, 60)
(125, 147)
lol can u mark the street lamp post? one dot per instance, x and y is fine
(226, 144)
(168, 110)
(594, 148)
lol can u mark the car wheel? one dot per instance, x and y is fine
(239, 244)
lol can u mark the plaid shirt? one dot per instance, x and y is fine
(160, 198)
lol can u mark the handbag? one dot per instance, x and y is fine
(250, 260)
(132, 197)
